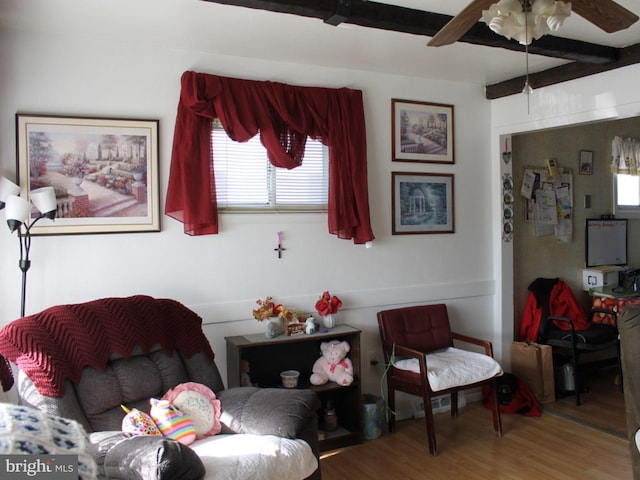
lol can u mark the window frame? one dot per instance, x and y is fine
(272, 181)
(624, 211)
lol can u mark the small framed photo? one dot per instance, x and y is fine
(422, 203)
(585, 165)
(422, 132)
(104, 172)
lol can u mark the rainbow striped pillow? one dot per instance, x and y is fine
(172, 422)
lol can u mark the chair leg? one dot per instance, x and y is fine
(577, 380)
(495, 409)
(391, 408)
(431, 428)
(454, 404)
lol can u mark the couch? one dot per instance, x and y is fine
(629, 328)
(84, 361)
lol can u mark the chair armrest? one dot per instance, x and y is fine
(270, 411)
(486, 344)
(566, 320)
(402, 351)
(126, 456)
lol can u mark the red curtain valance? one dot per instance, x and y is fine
(284, 116)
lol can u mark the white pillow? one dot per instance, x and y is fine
(200, 403)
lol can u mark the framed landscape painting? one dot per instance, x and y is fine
(422, 132)
(422, 203)
(104, 172)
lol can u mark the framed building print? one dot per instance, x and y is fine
(104, 172)
(422, 203)
(422, 132)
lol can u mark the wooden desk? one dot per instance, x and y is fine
(612, 298)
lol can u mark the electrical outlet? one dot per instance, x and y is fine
(373, 358)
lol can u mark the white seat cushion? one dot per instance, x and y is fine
(255, 457)
(453, 367)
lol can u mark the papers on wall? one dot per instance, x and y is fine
(549, 201)
(528, 180)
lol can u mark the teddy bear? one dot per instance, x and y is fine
(333, 364)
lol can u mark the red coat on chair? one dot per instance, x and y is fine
(561, 301)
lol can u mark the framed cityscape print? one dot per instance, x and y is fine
(422, 132)
(422, 203)
(104, 172)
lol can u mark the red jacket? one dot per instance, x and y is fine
(561, 303)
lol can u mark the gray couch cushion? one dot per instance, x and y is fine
(130, 382)
(123, 456)
(95, 400)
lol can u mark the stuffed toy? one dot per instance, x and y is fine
(172, 422)
(139, 423)
(333, 364)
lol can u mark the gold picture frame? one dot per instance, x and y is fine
(104, 172)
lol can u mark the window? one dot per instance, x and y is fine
(626, 195)
(246, 180)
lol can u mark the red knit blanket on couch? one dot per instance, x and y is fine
(57, 343)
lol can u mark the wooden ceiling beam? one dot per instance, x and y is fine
(586, 58)
(563, 73)
(418, 22)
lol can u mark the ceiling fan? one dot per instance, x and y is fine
(605, 14)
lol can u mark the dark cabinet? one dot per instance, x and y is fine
(266, 358)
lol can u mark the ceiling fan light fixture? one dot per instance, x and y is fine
(561, 13)
(527, 20)
(543, 7)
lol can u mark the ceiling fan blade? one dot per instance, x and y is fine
(460, 24)
(606, 14)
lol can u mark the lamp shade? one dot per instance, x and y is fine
(45, 200)
(17, 211)
(7, 187)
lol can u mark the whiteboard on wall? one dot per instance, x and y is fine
(606, 242)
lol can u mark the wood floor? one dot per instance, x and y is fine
(546, 447)
(602, 404)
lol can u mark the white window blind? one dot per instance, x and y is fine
(246, 180)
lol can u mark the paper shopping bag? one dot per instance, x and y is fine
(533, 364)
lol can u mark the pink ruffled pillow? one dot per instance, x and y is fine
(200, 403)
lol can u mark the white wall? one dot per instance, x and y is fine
(609, 95)
(221, 276)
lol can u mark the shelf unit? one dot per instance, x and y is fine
(268, 357)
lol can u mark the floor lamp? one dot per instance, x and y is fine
(19, 219)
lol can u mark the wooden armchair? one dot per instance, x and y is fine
(417, 343)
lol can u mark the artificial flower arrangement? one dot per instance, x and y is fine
(269, 309)
(328, 304)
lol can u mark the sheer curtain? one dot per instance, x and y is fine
(284, 116)
(625, 155)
